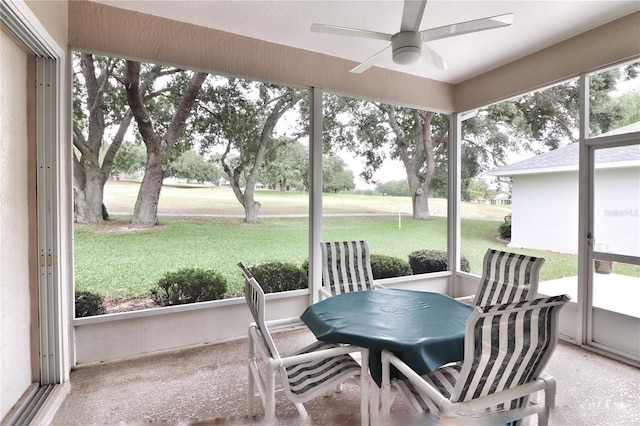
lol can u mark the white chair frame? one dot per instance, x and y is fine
(262, 350)
(266, 385)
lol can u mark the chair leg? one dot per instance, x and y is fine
(251, 393)
(301, 410)
(549, 391)
(251, 382)
(374, 401)
(543, 417)
(270, 397)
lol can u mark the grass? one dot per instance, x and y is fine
(122, 263)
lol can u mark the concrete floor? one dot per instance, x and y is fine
(207, 386)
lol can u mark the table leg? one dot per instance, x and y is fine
(365, 379)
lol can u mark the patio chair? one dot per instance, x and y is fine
(506, 277)
(346, 267)
(506, 349)
(312, 371)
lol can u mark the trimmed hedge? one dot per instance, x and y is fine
(279, 276)
(89, 304)
(189, 285)
(425, 261)
(505, 228)
(384, 266)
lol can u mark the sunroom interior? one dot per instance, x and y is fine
(44, 341)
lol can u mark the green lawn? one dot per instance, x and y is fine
(120, 263)
(120, 197)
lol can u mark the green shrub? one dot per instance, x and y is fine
(189, 285)
(279, 276)
(89, 304)
(505, 228)
(305, 270)
(384, 266)
(425, 261)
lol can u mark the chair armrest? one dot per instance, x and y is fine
(503, 397)
(389, 358)
(322, 354)
(323, 293)
(468, 300)
(376, 285)
(284, 322)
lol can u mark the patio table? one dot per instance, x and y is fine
(425, 330)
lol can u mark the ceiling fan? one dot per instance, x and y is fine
(407, 45)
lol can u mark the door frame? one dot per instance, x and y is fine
(586, 240)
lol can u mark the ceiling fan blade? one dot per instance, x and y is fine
(350, 32)
(371, 61)
(436, 59)
(412, 15)
(467, 27)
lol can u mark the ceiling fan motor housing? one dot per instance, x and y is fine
(407, 47)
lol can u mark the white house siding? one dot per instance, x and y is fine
(545, 212)
(15, 302)
(617, 219)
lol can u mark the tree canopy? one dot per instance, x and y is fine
(240, 118)
(336, 176)
(253, 131)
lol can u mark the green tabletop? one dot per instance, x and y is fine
(425, 330)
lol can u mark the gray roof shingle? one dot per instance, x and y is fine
(566, 158)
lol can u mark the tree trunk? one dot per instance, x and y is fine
(422, 155)
(79, 205)
(247, 199)
(420, 202)
(89, 180)
(251, 212)
(145, 212)
(89, 176)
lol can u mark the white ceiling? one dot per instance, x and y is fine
(537, 24)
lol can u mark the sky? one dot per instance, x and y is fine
(391, 170)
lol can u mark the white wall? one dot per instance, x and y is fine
(617, 219)
(545, 212)
(132, 334)
(113, 337)
(15, 303)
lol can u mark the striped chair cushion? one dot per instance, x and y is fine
(507, 277)
(444, 379)
(511, 347)
(346, 266)
(304, 378)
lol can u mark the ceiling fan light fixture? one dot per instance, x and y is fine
(407, 47)
(407, 55)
